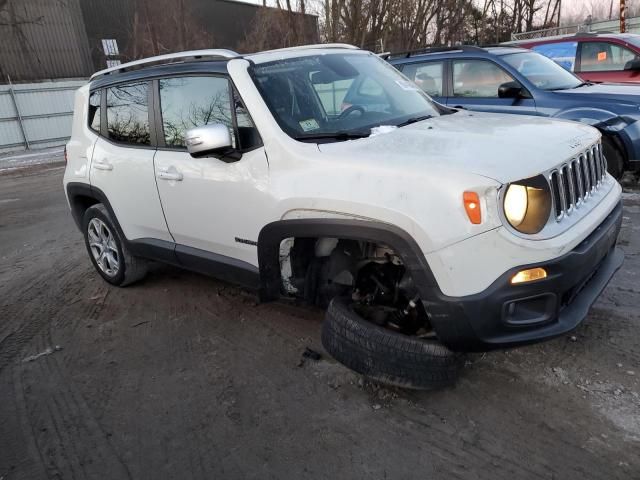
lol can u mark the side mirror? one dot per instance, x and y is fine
(214, 139)
(510, 90)
(632, 64)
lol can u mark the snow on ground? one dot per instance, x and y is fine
(16, 160)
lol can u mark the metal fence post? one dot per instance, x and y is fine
(15, 105)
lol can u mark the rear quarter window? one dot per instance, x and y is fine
(94, 111)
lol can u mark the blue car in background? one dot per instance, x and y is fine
(520, 81)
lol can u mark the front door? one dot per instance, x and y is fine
(212, 205)
(475, 87)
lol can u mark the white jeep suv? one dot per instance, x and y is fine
(322, 173)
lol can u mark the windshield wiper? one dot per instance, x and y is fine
(414, 120)
(581, 84)
(339, 135)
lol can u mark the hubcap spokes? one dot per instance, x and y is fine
(103, 247)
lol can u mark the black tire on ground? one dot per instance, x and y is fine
(386, 356)
(131, 268)
(615, 160)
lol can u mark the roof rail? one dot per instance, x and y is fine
(168, 58)
(420, 51)
(308, 47)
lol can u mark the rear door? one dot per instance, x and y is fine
(212, 205)
(122, 161)
(603, 61)
(475, 84)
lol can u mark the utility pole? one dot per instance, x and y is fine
(622, 12)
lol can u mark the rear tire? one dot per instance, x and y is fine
(107, 250)
(386, 356)
(614, 157)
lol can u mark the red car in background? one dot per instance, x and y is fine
(595, 57)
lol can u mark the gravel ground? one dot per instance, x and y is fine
(183, 376)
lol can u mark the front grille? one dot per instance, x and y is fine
(575, 181)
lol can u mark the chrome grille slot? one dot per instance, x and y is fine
(604, 160)
(576, 181)
(596, 156)
(554, 180)
(567, 188)
(587, 174)
(592, 167)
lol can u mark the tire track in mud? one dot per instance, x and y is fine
(56, 421)
(37, 302)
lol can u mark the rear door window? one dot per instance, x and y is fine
(428, 76)
(604, 57)
(128, 113)
(563, 53)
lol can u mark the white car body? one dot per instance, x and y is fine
(411, 177)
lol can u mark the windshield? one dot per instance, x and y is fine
(339, 96)
(543, 72)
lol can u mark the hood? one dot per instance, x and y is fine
(617, 92)
(504, 148)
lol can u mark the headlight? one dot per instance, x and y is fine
(515, 204)
(527, 204)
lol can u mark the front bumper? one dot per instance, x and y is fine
(506, 315)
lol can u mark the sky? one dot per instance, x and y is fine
(571, 9)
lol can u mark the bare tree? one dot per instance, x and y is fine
(279, 27)
(153, 32)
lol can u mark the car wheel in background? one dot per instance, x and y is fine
(615, 160)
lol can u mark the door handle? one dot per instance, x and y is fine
(102, 165)
(170, 174)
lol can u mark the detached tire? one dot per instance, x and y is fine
(107, 250)
(386, 356)
(615, 160)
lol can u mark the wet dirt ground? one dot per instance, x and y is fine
(182, 376)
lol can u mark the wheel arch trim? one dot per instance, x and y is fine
(274, 233)
(79, 189)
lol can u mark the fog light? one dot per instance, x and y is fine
(529, 275)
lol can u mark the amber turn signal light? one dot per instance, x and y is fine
(529, 275)
(471, 202)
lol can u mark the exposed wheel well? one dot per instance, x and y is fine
(374, 233)
(379, 266)
(371, 274)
